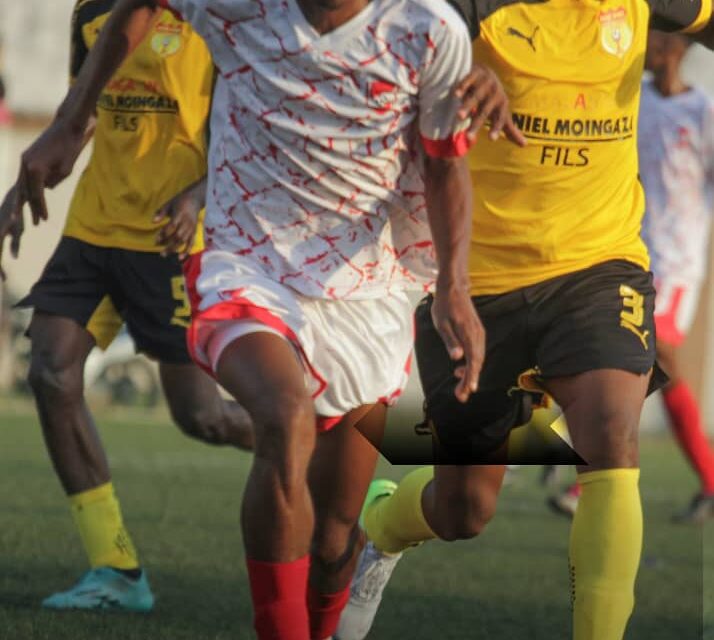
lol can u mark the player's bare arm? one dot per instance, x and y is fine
(448, 194)
(180, 216)
(12, 219)
(11, 224)
(483, 99)
(53, 155)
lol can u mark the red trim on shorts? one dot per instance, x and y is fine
(389, 400)
(454, 147)
(325, 423)
(191, 271)
(241, 308)
(666, 322)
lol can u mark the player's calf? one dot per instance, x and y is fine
(260, 370)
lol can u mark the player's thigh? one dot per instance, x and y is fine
(150, 292)
(668, 359)
(262, 371)
(596, 351)
(187, 387)
(72, 311)
(602, 408)
(675, 310)
(473, 431)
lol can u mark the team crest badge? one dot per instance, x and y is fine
(615, 32)
(167, 39)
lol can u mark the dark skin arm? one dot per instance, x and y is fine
(448, 196)
(52, 156)
(12, 220)
(484, 99)
(181, 217)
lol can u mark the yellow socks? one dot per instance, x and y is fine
(98, 517)
(396, 523)
(605, 548)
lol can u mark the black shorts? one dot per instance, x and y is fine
(101, 288)
(598, 318)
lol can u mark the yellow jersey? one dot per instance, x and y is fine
(150, 138)
(572, 71)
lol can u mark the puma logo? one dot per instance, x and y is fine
(642, 335)
(512, 31)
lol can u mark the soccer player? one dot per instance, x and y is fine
(336, 151)
(149, 145)
(559, 276)
(5, 115)
(676, 149)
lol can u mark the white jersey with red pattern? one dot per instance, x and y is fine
(676, 152)
(315, 163)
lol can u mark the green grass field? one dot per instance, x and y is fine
(181, 503)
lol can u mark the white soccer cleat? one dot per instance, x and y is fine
(371, 577)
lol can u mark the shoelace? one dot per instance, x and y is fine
(374, 577)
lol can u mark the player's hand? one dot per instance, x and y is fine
(11, 224)
(484, 99)
(46, 163)
(180, 218)
(457, 322)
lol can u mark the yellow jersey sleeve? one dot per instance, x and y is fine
(150, 138)
(688, 16)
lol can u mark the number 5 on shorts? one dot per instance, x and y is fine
(182, 313)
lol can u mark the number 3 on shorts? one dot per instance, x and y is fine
(182, 313)
(633, 314)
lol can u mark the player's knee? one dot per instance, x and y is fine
(613, 439)
(285, 428)
(333, 544)
(202, 423)
(465, 514)
(50, 381)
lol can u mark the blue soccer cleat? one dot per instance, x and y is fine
(104, 589)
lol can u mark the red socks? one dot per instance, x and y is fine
(279, 591)
(325, 611)
(687, 425)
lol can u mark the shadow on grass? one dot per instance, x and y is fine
(425, 617)
(189, 606)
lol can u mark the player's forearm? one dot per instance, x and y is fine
(129, 22)
(448, 197)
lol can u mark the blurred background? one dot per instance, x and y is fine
(177, 491)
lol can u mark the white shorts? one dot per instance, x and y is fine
(355, 352)
(675, 309)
